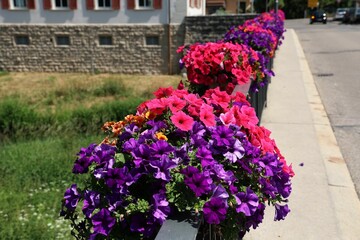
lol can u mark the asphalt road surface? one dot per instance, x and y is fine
(333, 54)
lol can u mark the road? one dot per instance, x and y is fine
(333, 53)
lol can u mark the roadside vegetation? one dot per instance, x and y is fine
(44, 120)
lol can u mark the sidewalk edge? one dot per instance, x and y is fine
(345, 200)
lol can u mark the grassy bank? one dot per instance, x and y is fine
(44, 120)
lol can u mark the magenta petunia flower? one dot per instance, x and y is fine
(182, 121)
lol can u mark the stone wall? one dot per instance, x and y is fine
(128, 53)
(211, 28)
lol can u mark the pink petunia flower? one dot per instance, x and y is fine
(207, 116)
(227, 118)
(182, 121)
(175, 104)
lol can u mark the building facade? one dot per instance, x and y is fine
(118, 36)
(229, 6)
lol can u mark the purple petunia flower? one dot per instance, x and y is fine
(103, 222)
(267, 188)
(129, 131)
(142, 153)
(161, 208)
(71, 197)
(205, 156)
(281, 212)
(198, 129)
(181, 155)
(256, 218)
(143, 224)
(235, 152)
(220, 192)
(247, 202)
(83, 161)
(199, 183)
(218, 171)
(190, 171)
(270, 164)
(91, 202)
(118, 178)
(157, 125)
(162, 168)
(160, 148)
(282, 183)
(130, 145)
(222, 136)
(104, 155)
(215, 210)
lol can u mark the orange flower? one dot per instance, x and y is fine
(161, 136)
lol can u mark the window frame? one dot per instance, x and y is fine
(138, 7)
(56, 38)
(13, 7)
(148, 37)
(105, 36)
(17, 36)
(97, 6)
(54, 7)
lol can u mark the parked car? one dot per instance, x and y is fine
(349, 16)
(339, 14)
(318, 16)
(357, 15)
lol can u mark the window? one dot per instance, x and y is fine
(152, 40)
(104, 3)
(144, 4)
(105, 40)
(19, 4)
(22, 40)
(62, 40)
(61, 4)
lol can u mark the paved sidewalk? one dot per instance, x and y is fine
(323, 203)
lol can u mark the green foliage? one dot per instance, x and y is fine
(19, 121)
(111, 87)
(33, 176)
(3, 73)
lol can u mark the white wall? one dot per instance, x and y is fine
(196, 11)
(83, 16)
(179, 9)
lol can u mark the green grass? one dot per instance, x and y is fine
(44, 121)
(33, 177)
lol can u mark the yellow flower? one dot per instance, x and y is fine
(161, 136)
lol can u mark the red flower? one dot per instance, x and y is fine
(163, 92)
(182, 121)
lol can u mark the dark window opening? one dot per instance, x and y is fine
(105, 40)
(61, 3)
(104, 3)
(62, 40)
(152, 40)
(22, 40)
